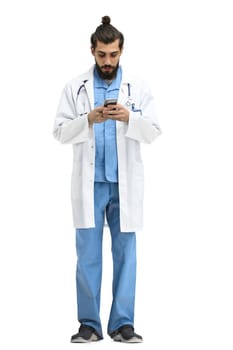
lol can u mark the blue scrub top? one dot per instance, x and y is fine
(106, 167)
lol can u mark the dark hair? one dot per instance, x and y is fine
(106, 33)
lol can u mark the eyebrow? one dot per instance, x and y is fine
(103, 52)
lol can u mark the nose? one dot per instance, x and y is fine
(107, 60)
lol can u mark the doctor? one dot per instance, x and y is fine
(107, 179)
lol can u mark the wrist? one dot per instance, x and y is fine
(90, 121)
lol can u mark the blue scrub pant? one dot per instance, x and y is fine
(89, 264)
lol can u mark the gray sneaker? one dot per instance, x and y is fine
(86, 334)
(126, 334)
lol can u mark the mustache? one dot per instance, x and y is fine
(107, 66)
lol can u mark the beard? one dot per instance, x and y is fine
(107, 75)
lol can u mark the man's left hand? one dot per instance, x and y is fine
(116, 112)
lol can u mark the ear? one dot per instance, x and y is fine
(93, 51)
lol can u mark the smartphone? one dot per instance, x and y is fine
(110, 101)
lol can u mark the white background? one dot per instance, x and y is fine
(184, 50)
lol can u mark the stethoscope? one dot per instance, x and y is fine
(81, 86)
(129, 102)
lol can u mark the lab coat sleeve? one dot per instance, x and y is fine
(70, 126)
(143, 124)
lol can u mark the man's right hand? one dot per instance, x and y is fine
(96, 115)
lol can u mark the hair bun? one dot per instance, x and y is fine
(106, 20)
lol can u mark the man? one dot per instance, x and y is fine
(107, 179)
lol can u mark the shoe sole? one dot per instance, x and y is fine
(82, 340)
(119, 338)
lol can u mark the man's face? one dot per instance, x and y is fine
(107, 57)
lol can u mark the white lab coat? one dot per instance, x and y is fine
(72, 127)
